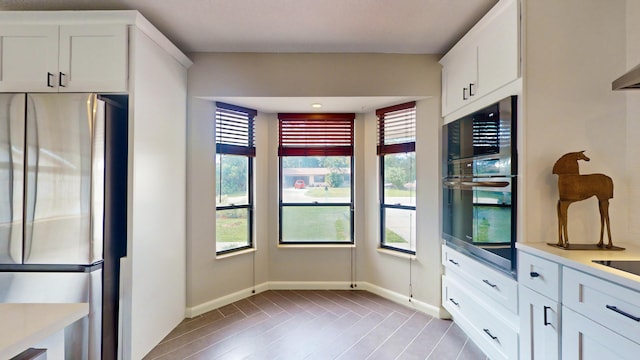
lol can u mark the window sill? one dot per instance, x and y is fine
(316, 246)
(399, 254)
(235, 253)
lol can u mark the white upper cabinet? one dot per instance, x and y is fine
(498, 50)
(63, 58)
(485, 59)
(27, 55)
(459, 78)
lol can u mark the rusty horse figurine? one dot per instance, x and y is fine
(575, 187)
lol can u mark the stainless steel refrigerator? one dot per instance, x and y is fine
(52, 203)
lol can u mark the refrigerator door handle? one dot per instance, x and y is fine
(11, 177)
(96, 116)
(31, 165)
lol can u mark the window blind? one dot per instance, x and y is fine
(397, 128)
(316, 134)
(235, 130)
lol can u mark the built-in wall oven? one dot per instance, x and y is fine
(479, 186)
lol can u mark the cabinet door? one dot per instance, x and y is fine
(498, 50)
(28, 58)
(459, 78)
(539, 326)
(585, 339)
(93, 58)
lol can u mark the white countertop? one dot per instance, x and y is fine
(24, 325)
(582, 260)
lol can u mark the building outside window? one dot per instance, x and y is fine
(235, 151)
(397, 157)
(316, 185)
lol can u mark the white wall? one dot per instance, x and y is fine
(633, 118)
(398, 273)
(291, 75)
(154, 271)
(573, 50)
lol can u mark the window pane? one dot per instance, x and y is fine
(232, 179)
(400, 228)
(316, 224)
(400, 179)
(232, 229)
(322, 179)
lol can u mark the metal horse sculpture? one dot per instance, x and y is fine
(575, 187)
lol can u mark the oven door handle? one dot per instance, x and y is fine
(472, 184)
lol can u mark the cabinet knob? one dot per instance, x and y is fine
(534, 274)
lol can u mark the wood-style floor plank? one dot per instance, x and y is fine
(315, 324)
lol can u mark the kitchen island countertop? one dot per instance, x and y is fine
(25, 325)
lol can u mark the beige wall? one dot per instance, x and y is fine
(291, 75)
(573, 50)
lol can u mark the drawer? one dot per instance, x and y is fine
(611, 305)
(496, 336)
(539, 274)
(499, 287)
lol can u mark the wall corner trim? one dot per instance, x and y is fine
(398, 298)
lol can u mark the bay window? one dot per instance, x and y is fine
(316, 183)
(396, 153)
(235, 151)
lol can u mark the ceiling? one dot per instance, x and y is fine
(381, 26)
(337, 26)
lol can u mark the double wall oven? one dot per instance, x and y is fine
(479, 186)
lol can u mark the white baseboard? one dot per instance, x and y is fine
(314, 285)
(401, 299)
(309, 285)
(194, 311)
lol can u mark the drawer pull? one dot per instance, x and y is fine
(490, 335)
(546, 320)
(534, 274)
(490, 284)
(454, 262)
(621, 312)
(454, 302)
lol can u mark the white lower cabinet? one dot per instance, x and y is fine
(574, 314)
(484, 312)
(539, 326)
(585, 339)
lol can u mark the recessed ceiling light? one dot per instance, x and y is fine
(316, 105)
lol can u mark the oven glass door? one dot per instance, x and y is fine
(478, 211)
